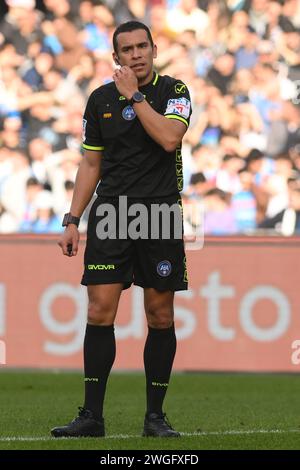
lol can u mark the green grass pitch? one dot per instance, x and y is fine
(213, 411)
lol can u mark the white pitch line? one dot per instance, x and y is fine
(186, 434)
(250, 431)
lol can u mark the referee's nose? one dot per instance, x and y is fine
(136, 53)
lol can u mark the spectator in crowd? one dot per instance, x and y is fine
(228, 177)
(218, 214)
(287, 221)
(294, 153)
(33, 189)
(187, 15)
(45, 220)
(8, 222)
(198, 186)
(244, 204)
(39, 149)
(276, 185)
(14, 186)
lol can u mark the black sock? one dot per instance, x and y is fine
(159, 354)
(99, 352)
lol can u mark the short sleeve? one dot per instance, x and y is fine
(91, 133)
(177, 103)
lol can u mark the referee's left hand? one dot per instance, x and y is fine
(69, 240)
(126, 81)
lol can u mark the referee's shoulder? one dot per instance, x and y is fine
(107, 90)
(168, 82)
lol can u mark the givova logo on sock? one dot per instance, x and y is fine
(159, 384)
(91, 379)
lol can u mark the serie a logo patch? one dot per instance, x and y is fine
(128, 113)
(164, 268)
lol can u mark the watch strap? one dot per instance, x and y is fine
(70, 219)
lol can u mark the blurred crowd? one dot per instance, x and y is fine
(241, 62)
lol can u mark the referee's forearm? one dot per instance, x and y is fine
(157, 126)
(85, 184)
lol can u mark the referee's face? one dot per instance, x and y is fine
(135, 50)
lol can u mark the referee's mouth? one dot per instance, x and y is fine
(137, 66)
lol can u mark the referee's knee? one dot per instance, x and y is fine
(160, 317)
(100, 313)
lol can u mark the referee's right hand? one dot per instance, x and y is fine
(69, 240)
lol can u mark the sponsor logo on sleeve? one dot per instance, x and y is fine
(179, 106)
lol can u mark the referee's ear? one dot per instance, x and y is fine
(116, 59)
(154, 51)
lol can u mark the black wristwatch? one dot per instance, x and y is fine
(137, 97)
(70, 219)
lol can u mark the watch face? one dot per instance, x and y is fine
(138, 96)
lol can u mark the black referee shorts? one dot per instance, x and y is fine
(147, 262)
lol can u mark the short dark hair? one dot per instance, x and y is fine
(228, 156)
(254, 155)
(127, 28)
(219, 193)
(197, 178)
(33, 181)
(69, 185)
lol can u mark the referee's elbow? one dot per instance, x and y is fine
(170, 145)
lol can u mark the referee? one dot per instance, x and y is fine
(132, 133)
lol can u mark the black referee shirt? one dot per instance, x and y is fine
(133, 164)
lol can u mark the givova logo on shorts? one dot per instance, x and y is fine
(100, 267)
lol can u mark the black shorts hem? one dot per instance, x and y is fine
(159, 287)
(95, 282)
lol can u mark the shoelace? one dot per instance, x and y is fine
(82, 414)
(165, 421)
